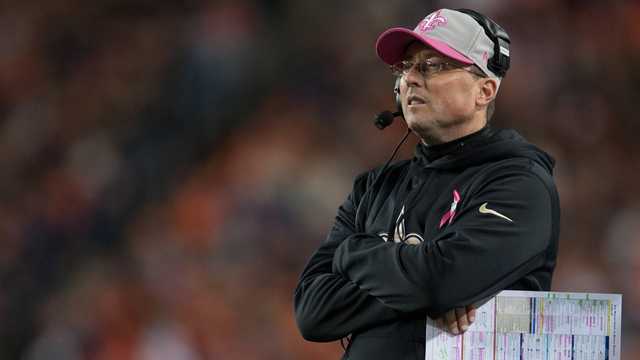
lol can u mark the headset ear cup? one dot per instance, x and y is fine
(396, 91)
(499, 62)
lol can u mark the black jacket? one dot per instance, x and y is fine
(470, 218)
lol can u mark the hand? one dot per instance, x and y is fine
(457, 320)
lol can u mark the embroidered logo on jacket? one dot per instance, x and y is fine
(447, 218)
(399, 233)
(485, 210)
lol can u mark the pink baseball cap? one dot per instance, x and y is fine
(454, 34)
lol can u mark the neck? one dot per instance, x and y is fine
(450, 133)
(467, 142)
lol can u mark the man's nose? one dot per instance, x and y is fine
(413, 77)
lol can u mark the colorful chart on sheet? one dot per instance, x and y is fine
(532, 325)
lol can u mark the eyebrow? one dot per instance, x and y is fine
(431, 57)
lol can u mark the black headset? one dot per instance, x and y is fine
(500, 61)
(396, 91)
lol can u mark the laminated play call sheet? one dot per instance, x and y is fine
(535, 325)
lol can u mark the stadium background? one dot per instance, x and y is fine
(167, 168)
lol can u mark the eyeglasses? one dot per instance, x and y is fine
(430, 67)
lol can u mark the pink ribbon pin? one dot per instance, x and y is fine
(447, 218)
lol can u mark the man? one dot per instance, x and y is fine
(474, 212)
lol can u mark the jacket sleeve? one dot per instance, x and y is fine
(474, 257)
(329, 306)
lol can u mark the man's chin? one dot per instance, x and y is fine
(428, 134)
(417, 125)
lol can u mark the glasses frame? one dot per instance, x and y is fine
(431, 67)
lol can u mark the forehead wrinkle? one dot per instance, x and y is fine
(419, 51)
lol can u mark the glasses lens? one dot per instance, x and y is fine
(401, 68)
(426, 67)
(429, 67)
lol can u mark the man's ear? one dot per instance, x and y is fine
(488, 91)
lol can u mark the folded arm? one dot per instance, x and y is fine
(477, 255)
(329, 306)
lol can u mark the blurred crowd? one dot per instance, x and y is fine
(169, 166)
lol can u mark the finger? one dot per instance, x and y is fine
(471, 313)
(451, 322)
(461, 315)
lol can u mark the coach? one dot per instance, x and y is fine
(474, 212)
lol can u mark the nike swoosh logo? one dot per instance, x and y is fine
(484, 210)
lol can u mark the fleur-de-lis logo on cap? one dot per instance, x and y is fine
(432, 20)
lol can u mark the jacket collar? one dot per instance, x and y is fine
(430, 153)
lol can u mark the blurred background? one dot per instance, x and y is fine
(169, 167)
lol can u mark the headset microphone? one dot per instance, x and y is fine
(386, 117)
(383, 120)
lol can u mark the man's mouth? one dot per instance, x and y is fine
(415, 100)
